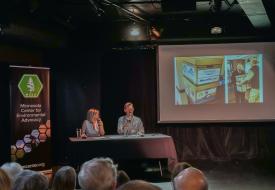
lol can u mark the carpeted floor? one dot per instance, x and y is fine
(234, 175)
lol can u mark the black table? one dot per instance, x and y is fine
(149, 146)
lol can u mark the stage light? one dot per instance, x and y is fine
(155, 34)
(134, 31)
(216, 30)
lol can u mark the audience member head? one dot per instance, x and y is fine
(30, 180)
(12, 169)
(5, 182)
(98, 174)
(122, 178)
(138, 185)
(190, 179)
(64, 179)
(178, 168)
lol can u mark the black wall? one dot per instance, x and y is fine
(129, 76)
(85, 78)
(4, 113)
(75, 87)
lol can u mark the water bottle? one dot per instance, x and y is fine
(78, 135)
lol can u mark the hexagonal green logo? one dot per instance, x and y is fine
(30, 86)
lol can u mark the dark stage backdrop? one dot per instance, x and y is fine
(130, 75)
(75, 87)
(4, 113)
(84, 78)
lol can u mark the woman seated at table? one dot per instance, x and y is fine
(93, 126)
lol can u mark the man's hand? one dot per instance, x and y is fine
(125, 126)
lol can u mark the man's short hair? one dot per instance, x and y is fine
(190, 178)
(12, 169)
(127, 104)
(138, 185)
(30, 180)
(98, 174)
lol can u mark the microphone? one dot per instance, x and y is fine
(126, 125)
(131, 114)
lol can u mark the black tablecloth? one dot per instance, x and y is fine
(150, 146)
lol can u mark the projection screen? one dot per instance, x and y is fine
(216, 82)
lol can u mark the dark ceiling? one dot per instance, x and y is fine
(55, 20)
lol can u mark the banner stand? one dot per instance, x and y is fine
(30, 117)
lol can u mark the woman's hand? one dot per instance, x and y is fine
(83, 136)
(101, 127)
(99, 122)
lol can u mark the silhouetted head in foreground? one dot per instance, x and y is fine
(138, 185)
(190, 179)
(178, 168)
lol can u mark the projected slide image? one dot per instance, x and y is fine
(218, 79)
(244, 83)
(198, 80)
(209, 83)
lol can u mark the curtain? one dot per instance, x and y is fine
(130, 75)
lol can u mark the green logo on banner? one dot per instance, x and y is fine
(30, 86)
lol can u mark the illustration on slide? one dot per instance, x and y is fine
(244, 79)
(198, 80)
(218, 79)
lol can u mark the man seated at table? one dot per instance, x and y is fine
(129, 124)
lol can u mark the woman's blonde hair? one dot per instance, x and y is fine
(5, 182)
(91, 112)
